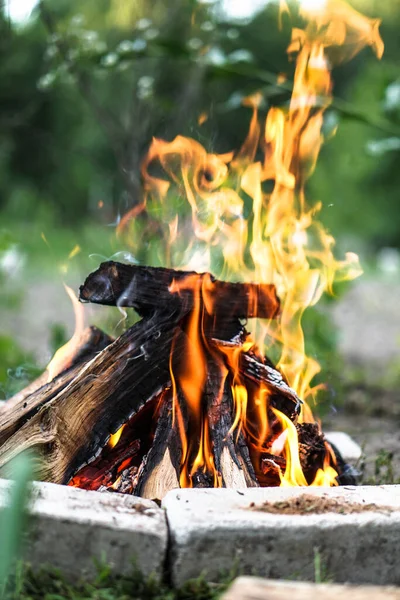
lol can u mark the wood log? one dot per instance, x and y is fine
(255, 588)
(231, 458)
(13, 419)
(149, 288)
(91, 341)
(312, 452)
(252, 367)
(70, 420)
(70, 429)
(311, 449)
(258, 370)
(159, 471)
(70, 423)
(23, 406)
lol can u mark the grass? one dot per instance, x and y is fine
(49, 584)
(321, 573)
(13, 518)
(384, 471)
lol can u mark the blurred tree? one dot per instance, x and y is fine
(84, 87)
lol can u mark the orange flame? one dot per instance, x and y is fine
(231, 226)
(63, 357)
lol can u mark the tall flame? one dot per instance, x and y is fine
(238, 230)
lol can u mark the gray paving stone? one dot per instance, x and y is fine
(348, 448)
(71, 526)
(212, 531)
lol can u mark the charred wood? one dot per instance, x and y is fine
(159, 471)
(71, 429)
(231, 455)
(92, 340)
(149, 288)
(23, 405)
(254, 369)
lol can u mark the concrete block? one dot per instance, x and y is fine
(348, 448)
(71, 526)
(254, 588)
(213, 531)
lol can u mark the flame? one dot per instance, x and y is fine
(190, 378)
(62, 359)
(244, 216)
(115, 437)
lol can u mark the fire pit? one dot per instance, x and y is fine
(187, 397)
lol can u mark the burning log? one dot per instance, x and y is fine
(70, 429)
(23, 405)
(231, 455)
(148, 289)
(92, 340)
(160, 467)
(137, 383)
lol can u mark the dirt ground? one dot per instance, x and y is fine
(374, 434)
(368, 321)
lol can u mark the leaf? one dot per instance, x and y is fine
(12, 517)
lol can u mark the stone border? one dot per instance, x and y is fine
(71, 527)
(213, 531)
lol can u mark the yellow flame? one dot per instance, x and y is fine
(75, 250)
(115, 437)
(244, 217)
(64, 355)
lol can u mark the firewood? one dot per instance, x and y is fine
(23, 405)
(70, 429)
(159, 471)
(149, 288)
(255, 588)
(231, 459)
(103, 474)
(311, 449)
(92, 340)
(253, 368)
(69, 421)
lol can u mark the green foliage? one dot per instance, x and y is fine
(384, 472)
(49, 584)
(359, 163)
(321, 574)
(17, 367)
(13, 519)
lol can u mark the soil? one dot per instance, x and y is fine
(317, 505)
(377, 436)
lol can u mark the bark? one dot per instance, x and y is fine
(71, 429)
(159, 471)
(149, 288)
(231, 455)
(24, 405)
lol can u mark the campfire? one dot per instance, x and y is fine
(187, 396)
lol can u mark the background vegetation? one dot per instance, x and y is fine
(85, 85)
